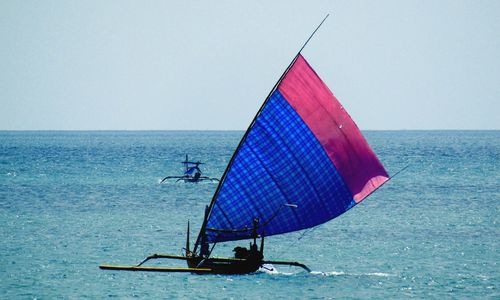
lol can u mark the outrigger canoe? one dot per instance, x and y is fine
(301, 162)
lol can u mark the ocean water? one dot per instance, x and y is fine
(70, 201)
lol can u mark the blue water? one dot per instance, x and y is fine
(70, 201)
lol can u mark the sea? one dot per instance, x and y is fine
(72, 200)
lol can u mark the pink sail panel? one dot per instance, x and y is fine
(335, 130)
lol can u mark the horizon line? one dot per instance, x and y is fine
(137, 130)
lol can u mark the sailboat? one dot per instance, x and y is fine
(301, 162)
(191, 174)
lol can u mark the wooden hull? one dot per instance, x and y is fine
(224, 265)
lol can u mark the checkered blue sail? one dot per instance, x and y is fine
(302, 162)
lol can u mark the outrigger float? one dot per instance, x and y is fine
(302, 162)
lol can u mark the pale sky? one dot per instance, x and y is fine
(208, 65)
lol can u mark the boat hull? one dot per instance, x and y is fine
(224, 265)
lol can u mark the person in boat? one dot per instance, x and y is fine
(244, 253)
(240, 252)
(253, 252)
(204, 247)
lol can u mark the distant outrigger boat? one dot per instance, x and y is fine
(191, 174)
(301, 163)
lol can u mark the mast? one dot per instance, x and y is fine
(209, 209)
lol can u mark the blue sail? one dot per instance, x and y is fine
(302, 162)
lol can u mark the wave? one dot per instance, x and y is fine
(270, 269)
(336, 273)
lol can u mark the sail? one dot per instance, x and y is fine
(302, 162)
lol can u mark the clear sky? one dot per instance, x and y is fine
(138, 65)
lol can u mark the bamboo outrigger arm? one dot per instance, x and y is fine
(169, 256)
(289, 263)
(155, 256)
